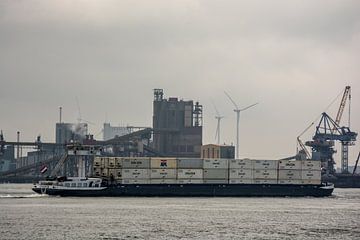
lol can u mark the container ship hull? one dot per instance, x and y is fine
(195, 190)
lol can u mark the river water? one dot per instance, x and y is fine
(24, 215)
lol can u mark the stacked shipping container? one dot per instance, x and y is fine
(143, 170)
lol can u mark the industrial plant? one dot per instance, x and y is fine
(176, 132)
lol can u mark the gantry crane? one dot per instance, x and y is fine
(328, 131)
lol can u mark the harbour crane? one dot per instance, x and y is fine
(327, 132)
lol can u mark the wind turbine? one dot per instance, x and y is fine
(218, 118)
(238, 110)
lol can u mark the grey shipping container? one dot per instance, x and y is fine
(190, 173)
(216, 174)
(135, 173)
(241, 164)
(311, 165)
(191, 163)
(241, 173)
(265, 164)
(289, 174)
(136, 163)
(216, 163)
(289, 164)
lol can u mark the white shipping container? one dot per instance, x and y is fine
(311, 175)
(215, 163)
(111, 162)
(135, 181)
(135, 173)
(265, 174)
(216, 173)
(137, 162)
(104, 162)
(290, 181)
(289, 174)
(163, 181)
(265, 164)
(189, 181)
(97, 162)
(265, 181)
(163, 163)
(241, 181)
(185, 163)
(163, 173)
(241, 173)
(216, 181)
(190, 173)
(289, 164)
(241, 164)
(118, 162)
(311, 165)
(311, 181)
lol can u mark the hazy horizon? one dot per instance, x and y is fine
(293, 58)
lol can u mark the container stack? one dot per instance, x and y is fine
(163, 170)
(107, 167)
(241, 171)
(145, 170)
(310, 172)
(135, 170)
(265, 171)
(190, 170)
(216, 171)
(289, 172)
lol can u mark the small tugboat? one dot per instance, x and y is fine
(72, 186)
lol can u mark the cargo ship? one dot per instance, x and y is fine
(171, 177)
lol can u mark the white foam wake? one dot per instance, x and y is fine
(34, 195)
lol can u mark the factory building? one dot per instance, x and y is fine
(7, 159)
(69, 132)
(110, 132)
(177, 126)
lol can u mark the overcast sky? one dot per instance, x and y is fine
(293, 57)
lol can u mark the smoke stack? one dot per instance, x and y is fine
(60, 112)
(18, 146)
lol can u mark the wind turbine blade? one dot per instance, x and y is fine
(216, 110)
(236, 106)
(249, 106)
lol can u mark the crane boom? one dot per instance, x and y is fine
(357, 161)
(302, 146)
(346, 95)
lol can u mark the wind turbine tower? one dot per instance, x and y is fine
(218, 118)
(238, 110)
